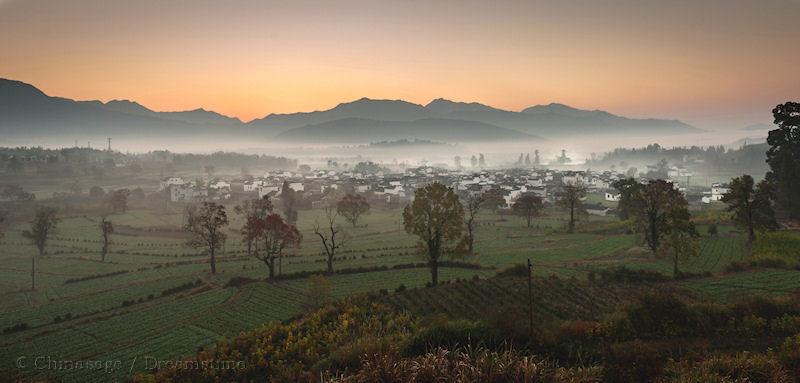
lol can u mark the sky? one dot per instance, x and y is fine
(716, 64)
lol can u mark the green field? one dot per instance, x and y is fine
(130, 310)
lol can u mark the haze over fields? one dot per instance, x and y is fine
(355, 191)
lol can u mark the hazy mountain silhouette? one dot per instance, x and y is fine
(365, 108)
(25, 111)
(553, 120)
(361, 130)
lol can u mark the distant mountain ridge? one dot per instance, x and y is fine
(27, 111)
(547, 121)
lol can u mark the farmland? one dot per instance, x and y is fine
(154, 297)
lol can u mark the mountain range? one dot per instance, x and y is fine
(26, 111)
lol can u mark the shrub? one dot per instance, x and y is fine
(789, 354)
(465, 365)
(744, 367)
(634, 361)
(450, 334)
(239, 281)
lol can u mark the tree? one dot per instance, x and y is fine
(783, 158)
(679, 244)
(205, 225)
(332, 235)
(319, 290)
(493, 199)
(751, 206)
(253, 210)
(351, 207)
(106, 228)
(661, 209)
(276, 235)
(472, 207)
(118, 200)
(569, 197)
(436, 216)
(473, 161)
(289, 198)
(42, 227)
(527, 206)
(628, 188)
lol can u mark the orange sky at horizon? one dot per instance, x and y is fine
(706, 62)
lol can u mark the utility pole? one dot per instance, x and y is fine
(530, 297)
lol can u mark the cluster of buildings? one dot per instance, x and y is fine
(181, 190)
(317, 187)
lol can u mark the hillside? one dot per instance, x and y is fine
(546, 121)
(27, 112)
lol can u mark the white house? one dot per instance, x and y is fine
(613, 197)
(186, 193)
(717, 192)
(252, 186)
(170, 181)
(267, 190)
(220, 185)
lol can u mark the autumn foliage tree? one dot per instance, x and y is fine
(205, 223)
(276, 235)
(750, 205)
(253, 210)
(436, 216)
(351, 207)
(527, 206)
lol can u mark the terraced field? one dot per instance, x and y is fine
(554, 298)
(754, 282)
(132, 305)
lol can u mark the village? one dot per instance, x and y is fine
(395, 188)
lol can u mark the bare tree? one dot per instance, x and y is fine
(205, 224)
(332, 235)
(107, 228)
